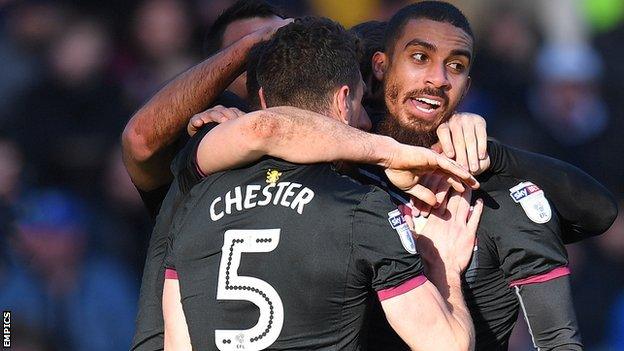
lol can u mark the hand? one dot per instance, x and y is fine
(447, 240)
(266, 32)
(218, 114)
(409, 164)
(464, 138)
(440, 189)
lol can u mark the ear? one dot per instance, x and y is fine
(379, 64)
(342, 104)
(262, 99)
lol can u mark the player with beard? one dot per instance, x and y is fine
(520, 258)
(153, 135)
(333, 239)
(577, 221)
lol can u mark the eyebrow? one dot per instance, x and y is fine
(432, 47)
(418, 42)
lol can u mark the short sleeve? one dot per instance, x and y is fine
(384, 244)
(185, 166)
(530, 251)
(170, 260)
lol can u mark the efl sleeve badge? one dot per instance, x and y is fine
(533, 201)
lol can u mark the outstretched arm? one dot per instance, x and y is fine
(148, 138)
(302, 136)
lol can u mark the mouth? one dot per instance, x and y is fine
(427, 107)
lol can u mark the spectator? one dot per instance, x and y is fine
(67, 123)
(79, 301)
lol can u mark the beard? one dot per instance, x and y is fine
(416, 135)
(415, 132)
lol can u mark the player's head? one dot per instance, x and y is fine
(371, 35)
(428, 51)
(238, 20)
(312, 64)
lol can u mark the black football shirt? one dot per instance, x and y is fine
(518, 239)
(285, 256)
(162, 203)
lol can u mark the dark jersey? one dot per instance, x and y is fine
(519, 242)
(148, 335)
(284, 256)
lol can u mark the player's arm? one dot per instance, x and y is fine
(427, 315)
(585, 207)
(549, 312)
(423, 320)
(301, 136)
(149, 136)
(176, 330)
(446, 245)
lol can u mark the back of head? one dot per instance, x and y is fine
(438, 11)
(240, 10)
(306, 61)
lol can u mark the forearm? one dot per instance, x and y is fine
(149, 135)
(449, 286)
(291, 134)
(586, 207)
(176, 330)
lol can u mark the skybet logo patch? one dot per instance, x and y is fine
(527, 189)
(405, 234)
(533, 201)
(396, 219)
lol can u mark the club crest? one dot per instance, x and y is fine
(398, 223)
(533, 201)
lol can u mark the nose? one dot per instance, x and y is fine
(364, 122)
(437, 77)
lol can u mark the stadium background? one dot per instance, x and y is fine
(73, 232)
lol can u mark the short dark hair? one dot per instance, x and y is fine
(371, 35)
(240, 10)
(306, 61)
(252, 85)
(438, 11)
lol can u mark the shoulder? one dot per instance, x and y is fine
(511, 203)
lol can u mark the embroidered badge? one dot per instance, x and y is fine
(533, 201)
(273, 176)
(398, 223)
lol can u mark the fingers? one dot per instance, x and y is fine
(472, 151)
(448, 166)
(446, 143)
(475, 216)
(453, 203)
(463, 207)
(481, 133)
(459, 144)
(423, 194)
(229, 114)
(441, 188)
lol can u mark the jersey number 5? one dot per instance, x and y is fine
(231, 286)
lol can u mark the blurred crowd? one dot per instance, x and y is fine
(73, 231)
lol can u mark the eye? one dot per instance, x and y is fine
(457, 66)
(419, 56)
